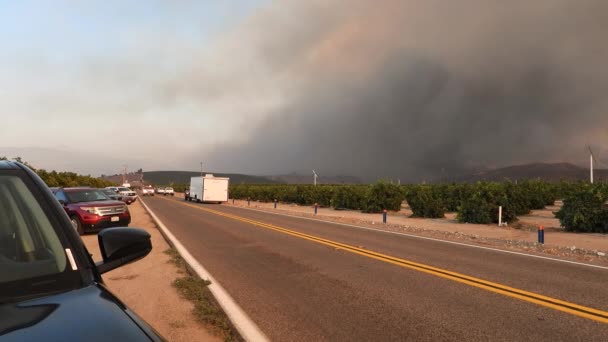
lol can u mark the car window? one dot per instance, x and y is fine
(86, 195)
(60, 196)
(123, 189)
(29, 246)
(109, 192)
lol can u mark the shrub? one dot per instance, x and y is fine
(453, 195)
(425, 201)
(482, 205)
(539, 193)
(517, 199)
(475, 209)
(585, 211)
(383, 195)
(349, 197)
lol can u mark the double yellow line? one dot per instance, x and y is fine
(549, 302)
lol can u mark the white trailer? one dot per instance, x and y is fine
(208, 189)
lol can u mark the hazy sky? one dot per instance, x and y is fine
(388, 88)
(87, 84)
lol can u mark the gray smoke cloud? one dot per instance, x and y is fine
(419, 89)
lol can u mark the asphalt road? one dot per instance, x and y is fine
(308, 287)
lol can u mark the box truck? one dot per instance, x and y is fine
(208, 189)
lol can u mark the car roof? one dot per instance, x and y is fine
(76, 188)
(7, 165)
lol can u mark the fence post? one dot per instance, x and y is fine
(275, 203)
(316, 207)
(500, 216)
(248, 201)
(384, 216)
(541, 234)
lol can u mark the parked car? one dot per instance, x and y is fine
(128, 196)
(91, 209)
(160, 191)
(169, 191)
(47, 276)
(112, 194)
(147, 190)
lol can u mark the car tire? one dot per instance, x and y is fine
(77, 225)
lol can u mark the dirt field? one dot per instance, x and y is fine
(521, 236)
(146, 286)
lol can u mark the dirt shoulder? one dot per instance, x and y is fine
(146, 286)
(591, 248)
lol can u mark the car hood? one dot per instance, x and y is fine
(87, 314)
(111, 203)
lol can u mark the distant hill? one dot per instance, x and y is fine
(183, 177)
(294, 178)
(552, 172)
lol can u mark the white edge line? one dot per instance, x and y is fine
(245, 326)
(427, 238)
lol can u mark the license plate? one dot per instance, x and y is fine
(115, 219)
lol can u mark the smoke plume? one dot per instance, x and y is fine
(416, 89)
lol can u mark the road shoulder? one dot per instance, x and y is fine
(146, 286)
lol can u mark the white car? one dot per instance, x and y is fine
(169, 191)
(147, 191)
(160, 191)
(128, 196)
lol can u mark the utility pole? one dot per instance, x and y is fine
(124, 174)
(201, 169)
(591, 168)
(590, 164)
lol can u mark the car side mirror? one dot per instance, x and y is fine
(120, 246)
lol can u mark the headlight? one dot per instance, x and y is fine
(90, 210)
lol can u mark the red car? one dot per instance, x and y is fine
(91, 209)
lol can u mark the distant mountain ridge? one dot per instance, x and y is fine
(294, 178)
(183, 177)
(551, 172)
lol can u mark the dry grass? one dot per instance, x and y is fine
(206, 309)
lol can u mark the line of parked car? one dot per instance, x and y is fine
(92, 209)
(50, 287)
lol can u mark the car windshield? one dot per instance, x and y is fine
(32, 257)
(170, 189)
(109, 192)
(124, 189)
(86, 195)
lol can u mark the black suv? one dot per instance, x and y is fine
(50, 288)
